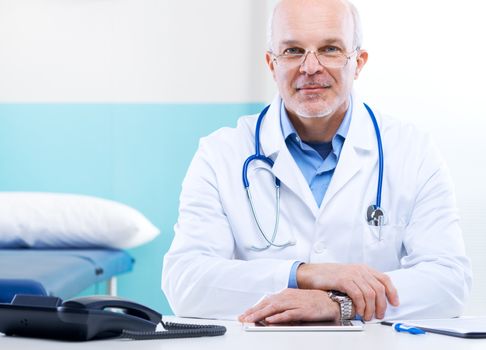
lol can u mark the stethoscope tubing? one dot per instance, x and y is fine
(380, 155)
(258, 156)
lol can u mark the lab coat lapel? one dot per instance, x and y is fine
(290, 174)
(354, 154)
(285, 168)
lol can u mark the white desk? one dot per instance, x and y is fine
(374, 337)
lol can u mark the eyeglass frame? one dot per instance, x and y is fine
(316, 54)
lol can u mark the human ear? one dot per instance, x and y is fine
(361, 59)
(270, 63)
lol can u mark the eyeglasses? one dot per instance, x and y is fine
(329, 57)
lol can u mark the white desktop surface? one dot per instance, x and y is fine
(374, 337)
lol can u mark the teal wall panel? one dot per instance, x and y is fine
(133, 153)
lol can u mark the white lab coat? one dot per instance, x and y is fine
(210, 272)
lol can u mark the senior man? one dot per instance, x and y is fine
(310, 233)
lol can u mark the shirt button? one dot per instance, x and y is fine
(319, 247)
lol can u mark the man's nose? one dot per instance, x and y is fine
(310, 63)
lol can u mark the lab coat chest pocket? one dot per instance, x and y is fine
(382, 246)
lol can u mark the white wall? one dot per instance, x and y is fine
(132, 50)
(426, 65)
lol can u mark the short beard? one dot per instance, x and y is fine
(303, 112)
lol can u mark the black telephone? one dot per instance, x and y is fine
(93, 317)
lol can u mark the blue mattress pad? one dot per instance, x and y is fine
(57, 272)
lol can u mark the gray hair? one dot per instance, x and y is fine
(358, 28)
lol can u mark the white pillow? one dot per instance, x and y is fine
(53, 220)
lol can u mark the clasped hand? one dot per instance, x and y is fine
(369, 289)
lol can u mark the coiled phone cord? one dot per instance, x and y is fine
(177, 330)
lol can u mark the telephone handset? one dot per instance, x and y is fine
(93, 317)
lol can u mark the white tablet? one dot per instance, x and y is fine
(343, 325)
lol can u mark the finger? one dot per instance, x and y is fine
(354, 292)
(286, 316)
(308, 305)
(390, 290)
(380, 297)
(249, 316)
(269, 306)
(369, 296)
(262, 304)
(265, 312)
(379, 303)
(252, 310)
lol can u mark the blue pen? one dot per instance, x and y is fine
(400, 327)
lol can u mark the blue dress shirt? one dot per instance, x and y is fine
(317, 161)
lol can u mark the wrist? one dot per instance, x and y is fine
(344, 304)
(302, 276)
(336, 310)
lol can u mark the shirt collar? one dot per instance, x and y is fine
(289, 130)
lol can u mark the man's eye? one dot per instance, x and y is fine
(330, 50)
(293, 51)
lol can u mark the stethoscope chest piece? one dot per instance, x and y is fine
(375, 216)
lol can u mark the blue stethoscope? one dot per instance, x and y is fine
(375, 214)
